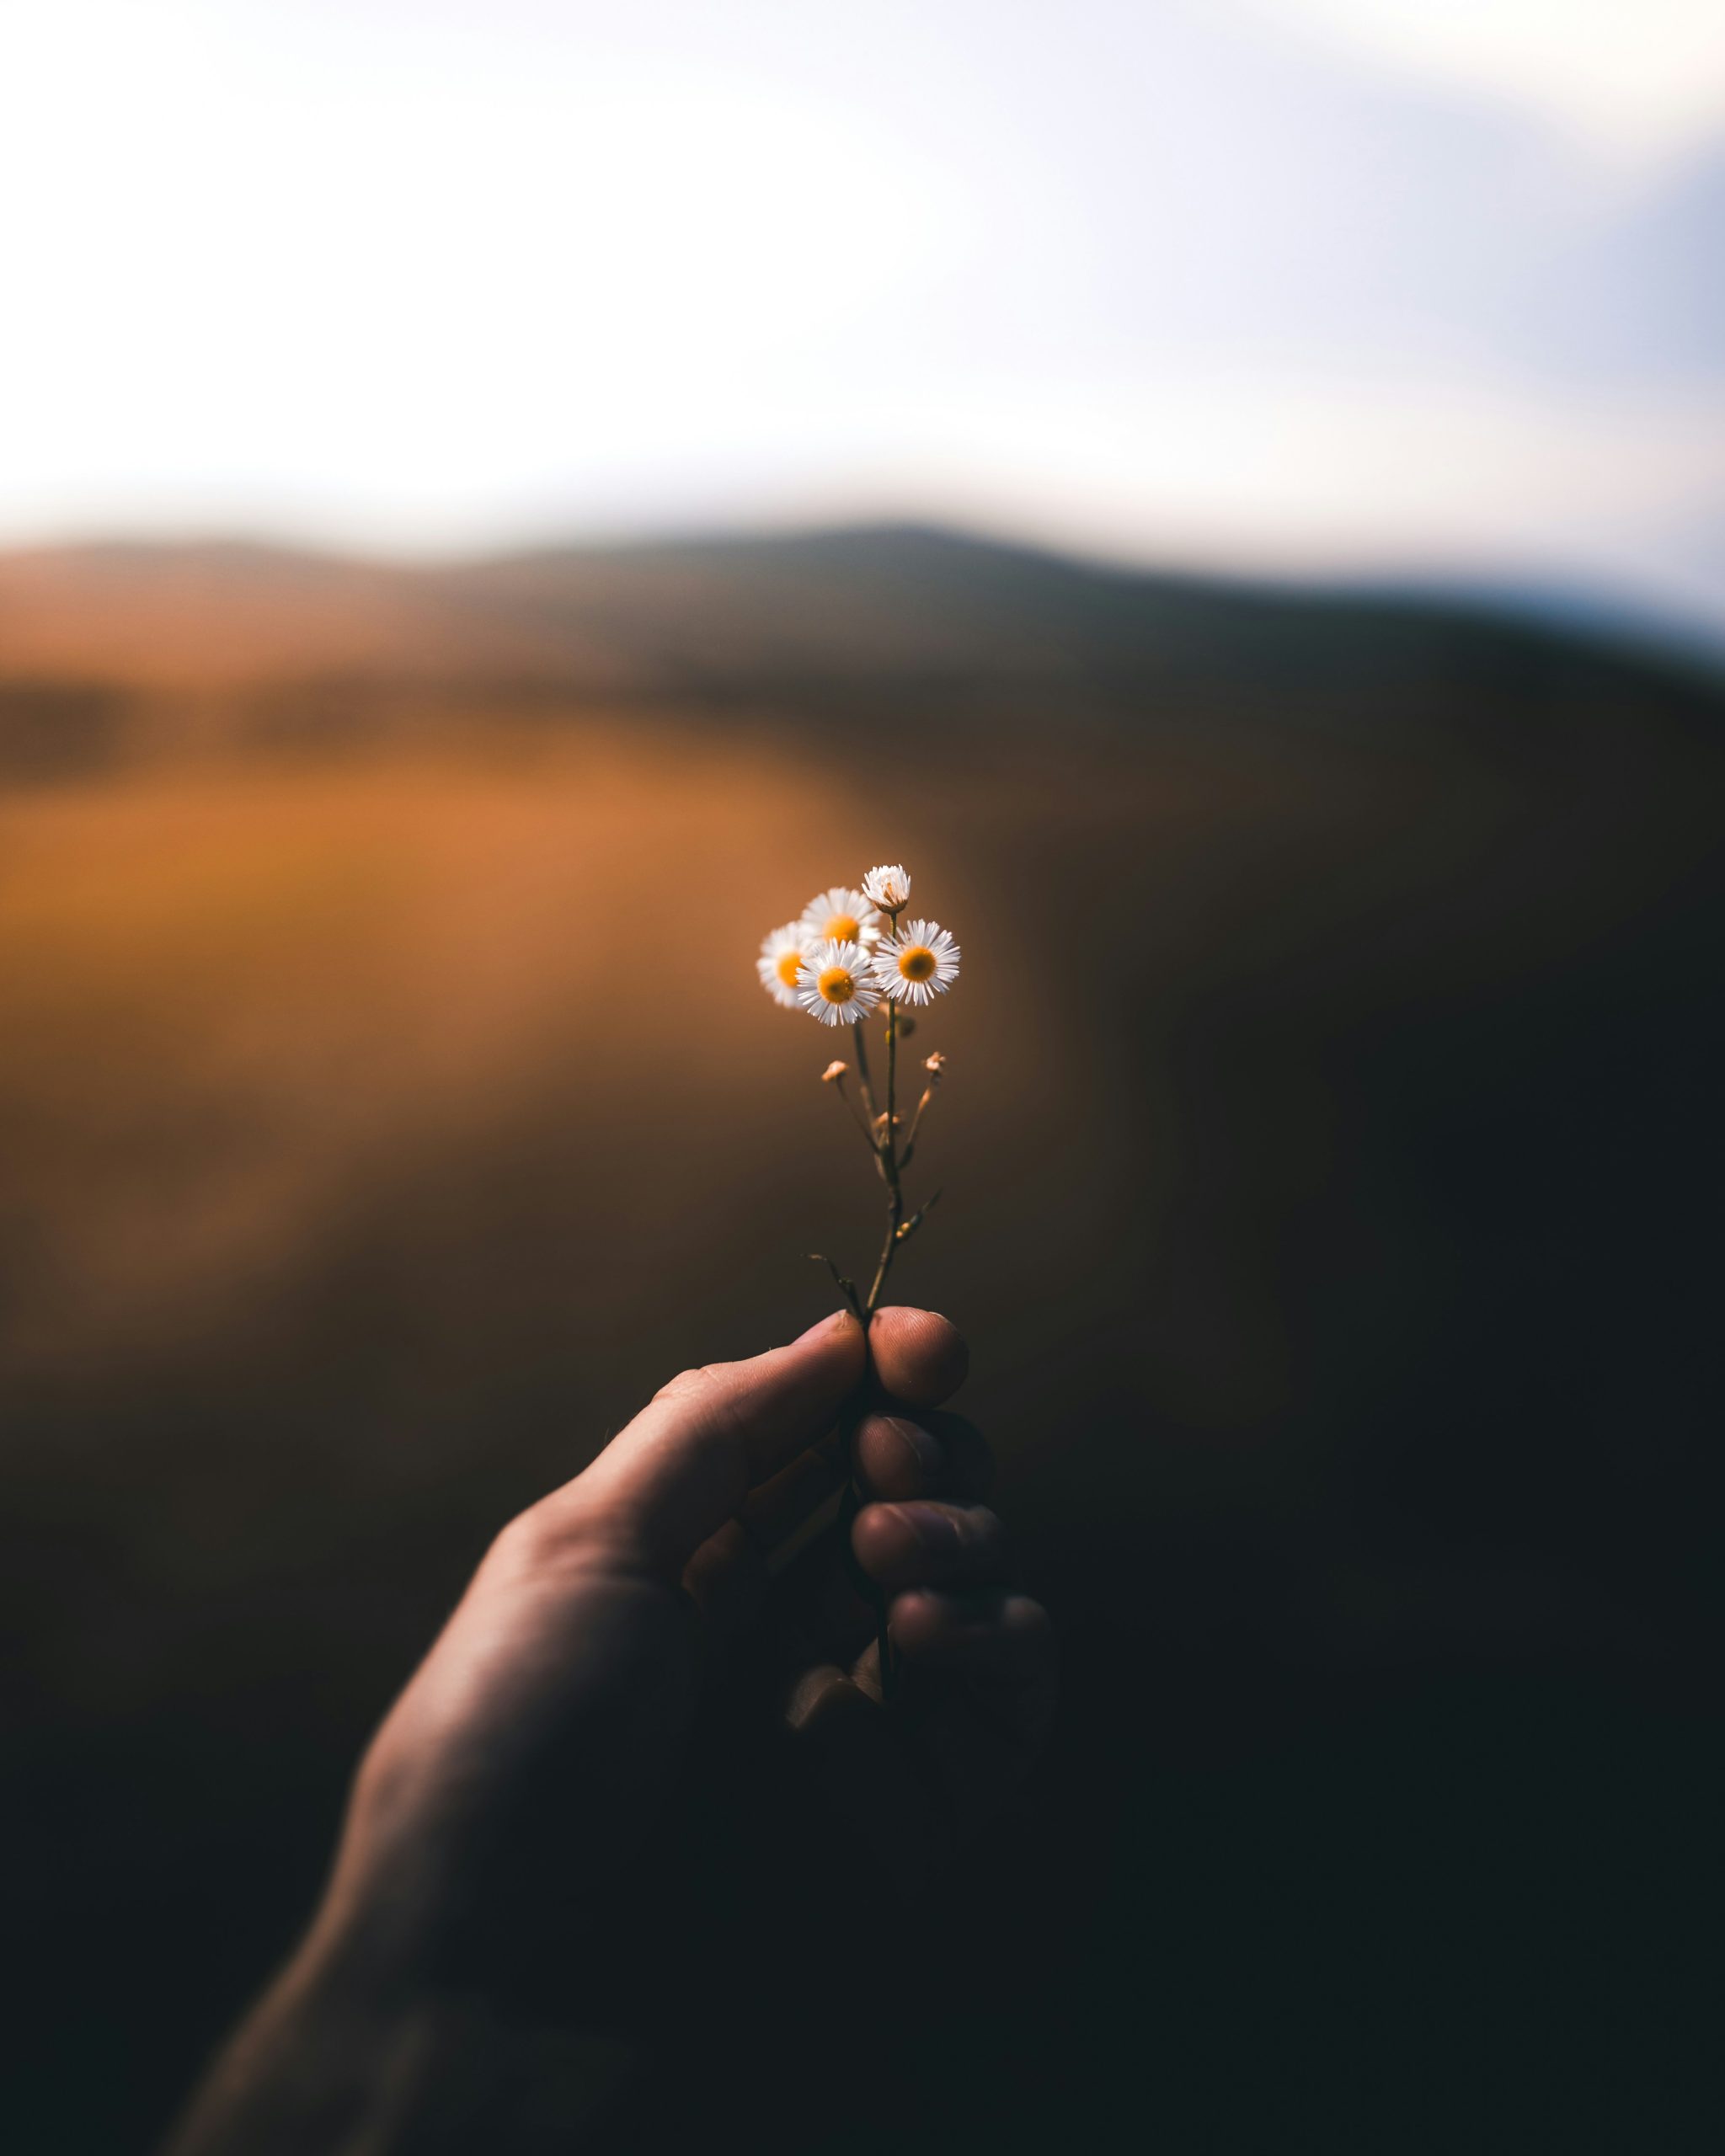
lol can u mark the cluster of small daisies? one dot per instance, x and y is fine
(849, 948)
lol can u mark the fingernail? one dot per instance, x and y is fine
(833, 1323)
(922, 1445)
(935, 1529)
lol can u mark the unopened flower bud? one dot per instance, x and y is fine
(887, 887)
(904, 1025)
(833, 1072)
(934, 1065)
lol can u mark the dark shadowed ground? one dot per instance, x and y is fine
(1331, 1168)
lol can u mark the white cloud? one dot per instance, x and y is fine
(1644, 79)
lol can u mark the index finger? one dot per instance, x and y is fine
(684, 1465)
(681, 1468)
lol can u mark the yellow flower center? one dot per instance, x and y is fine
(918, 963)
(790, 964)
(840, 928)
(836, 985)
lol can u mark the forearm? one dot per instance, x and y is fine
(342, 2059)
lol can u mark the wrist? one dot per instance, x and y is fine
(318, 2063)
(355, 2048)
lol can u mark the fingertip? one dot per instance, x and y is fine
(890, 1538)
(920, 1357)
(983, 1628)
(917, 1618)
(837, 1343)
(898, 1458)
(835, 1323)
(910, 1545)
(933, 1452)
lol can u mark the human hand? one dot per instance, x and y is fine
(499, 1821)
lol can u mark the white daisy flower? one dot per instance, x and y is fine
(837, 984)
(918, 963)
(889, 886)
(840, 916)
(781, 962)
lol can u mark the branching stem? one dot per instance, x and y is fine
(856, 1114)
(915, 1125)
(860, 1042)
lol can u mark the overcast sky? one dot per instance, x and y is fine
(1366, 285)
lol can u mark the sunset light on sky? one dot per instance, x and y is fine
(1355, 286)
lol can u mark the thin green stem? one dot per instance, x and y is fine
(915, 1125)
(856, 1114)
(887, 1160)
(862, 1047)
(892, 1084)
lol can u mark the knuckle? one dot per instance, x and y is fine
(687, 1385)
(547, 1534)
(711, 1390)
(522, 1543)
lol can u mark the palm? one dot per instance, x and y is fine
(550, 1720)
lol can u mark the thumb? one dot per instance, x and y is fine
(676, 1473)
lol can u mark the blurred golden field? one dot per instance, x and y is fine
(388, 1104)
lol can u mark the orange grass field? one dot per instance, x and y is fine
(386, 1103)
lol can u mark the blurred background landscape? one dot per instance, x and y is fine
(496, 513)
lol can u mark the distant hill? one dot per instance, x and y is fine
(145, 650)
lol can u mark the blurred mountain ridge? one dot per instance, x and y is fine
(121, 653)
